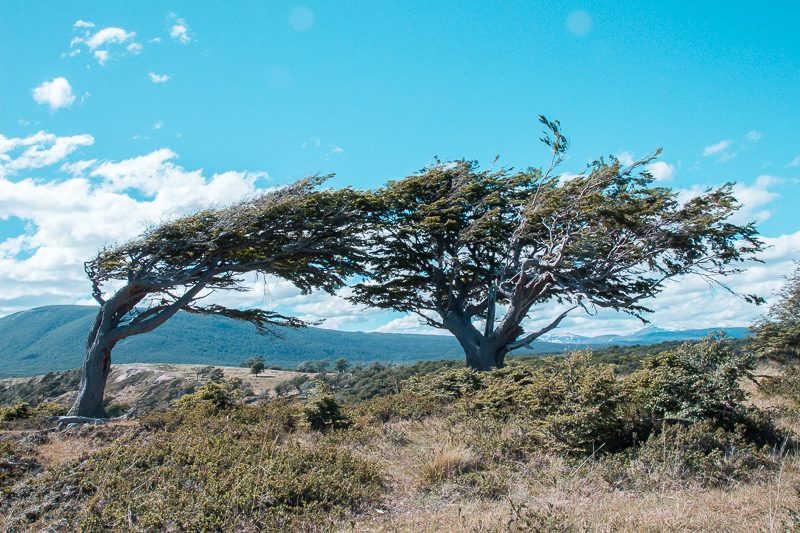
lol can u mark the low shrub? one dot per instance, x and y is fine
(323, 411)
(219, 475)
(21, 411)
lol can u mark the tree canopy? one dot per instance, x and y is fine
(776, 335)
(309, 237)
(460, 246)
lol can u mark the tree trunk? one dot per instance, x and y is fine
(483, 353)
(485, 357)
(96, 367)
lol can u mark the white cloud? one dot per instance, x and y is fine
(754, 136)
(101, 56)
(92, 203)
(83, 24)
(626, 158)
(661, 171)
(179, 30)
(40, 149)
(103, 42)
(410, 323)
(56, 93)
(108, 36)
(158, 78)
(753, 198)
(716, 148)
(794, 162)
(578, 22)
(158, 125)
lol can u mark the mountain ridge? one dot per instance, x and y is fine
(52, 338)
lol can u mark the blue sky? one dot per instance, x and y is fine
(116, 114)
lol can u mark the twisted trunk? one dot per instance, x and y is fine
(96, 367)
(483, 352)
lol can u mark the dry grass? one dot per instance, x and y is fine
(448, 462)
(430, 474)
(551, 490)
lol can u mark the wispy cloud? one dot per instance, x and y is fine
(158, 78)
(103, 42)
(794, 162)
(179, 31)
(754, 136)
(716, 148)
(56, 93)
(109, 35)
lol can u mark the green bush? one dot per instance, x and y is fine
(212, 394)
(700, 452)
(786, 385)
(695, 382)
(450, 383)
(21, 411)
(323, 411)
(217, 473)
(396, 407)
(570, 405)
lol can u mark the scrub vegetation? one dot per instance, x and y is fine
(699, 436)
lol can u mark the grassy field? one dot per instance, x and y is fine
(558, 446)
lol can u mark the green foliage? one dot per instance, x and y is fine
(702, 452)
(20, 411)
(786, 385)
(294, 384)
(257, 368)
(211, 373)
(397, 407)
(213, 395)
(571, 405)
(226, 472)
(458, 245)
(777, 335)
(452, 383)
(323, 412)
(696, 382)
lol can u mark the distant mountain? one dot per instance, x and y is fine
(648, 335)
(52, 338)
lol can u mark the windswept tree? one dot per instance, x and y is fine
(309, 237)
(474, 251)
(777, 334)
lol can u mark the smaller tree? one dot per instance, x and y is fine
(211, 373)
(255, 364)
(257, 368)
(341, 365)
(777, 334)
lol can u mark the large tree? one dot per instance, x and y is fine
(307, 236)
(473, 251)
